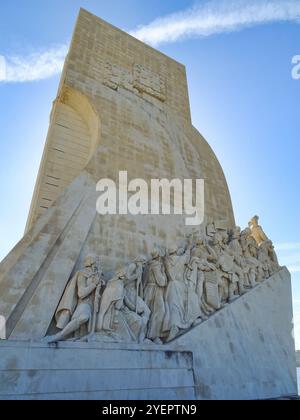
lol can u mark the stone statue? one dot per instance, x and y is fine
(207, 264)
(204, 251)
(257, 231)
(194, 278)
(179, 316)
(156, 283)
(263, 241)
(112, 302)
(272, 256)
(263, 258)
(138, 312)
(193, 312)
(234, 242)
(250, 253)
(135, 273)
(179, 289)
(228, 263)
(76, 306)
(123, 313)
(235, 245)
(268, 257)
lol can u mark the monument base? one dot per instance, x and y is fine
(86, 371)
(245, 351)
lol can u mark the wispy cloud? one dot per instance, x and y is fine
(206, 18)
(215, 17)
(35, 66)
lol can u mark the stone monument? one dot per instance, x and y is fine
(120, 306)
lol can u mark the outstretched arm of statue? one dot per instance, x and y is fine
(83, 290)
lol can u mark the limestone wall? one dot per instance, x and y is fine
(72, 138)
(136, 119)
(84, 372)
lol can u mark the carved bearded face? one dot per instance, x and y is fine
(89, 261)
(121, 273)
(141, 260)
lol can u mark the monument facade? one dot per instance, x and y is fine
(193, 304)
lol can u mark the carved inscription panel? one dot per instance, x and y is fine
(138, 80)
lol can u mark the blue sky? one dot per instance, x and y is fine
(238, 56)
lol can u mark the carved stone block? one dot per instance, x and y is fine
(117, 76)
(146, 81)
(138, 80)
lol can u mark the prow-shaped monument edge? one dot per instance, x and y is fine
(83, 280)
(247, 350)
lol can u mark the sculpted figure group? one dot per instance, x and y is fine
(177, 289)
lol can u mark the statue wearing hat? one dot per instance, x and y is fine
(136, 309)
(179, 316)
(156, 283)
(112, 301)
(76, 306)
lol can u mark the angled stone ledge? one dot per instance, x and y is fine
(246, 350)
